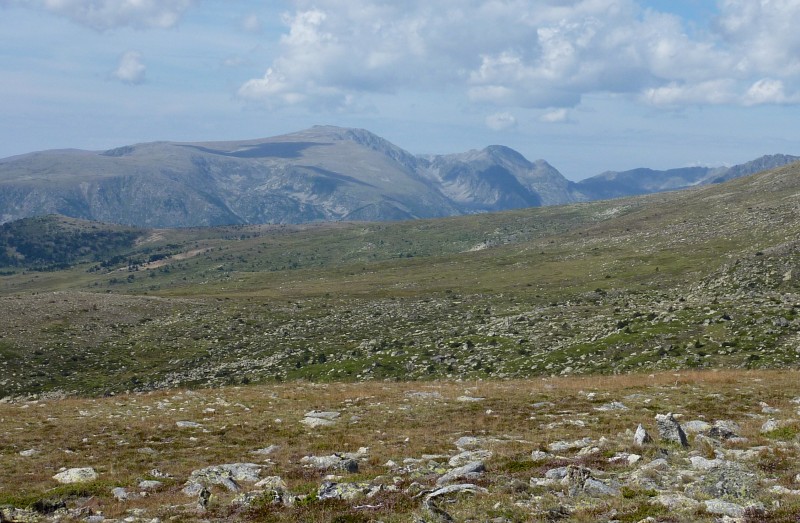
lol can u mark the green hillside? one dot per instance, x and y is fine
(703, 278)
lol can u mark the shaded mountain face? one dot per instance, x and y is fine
(321, 174)
(613, 184)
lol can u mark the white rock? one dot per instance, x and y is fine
(724, 508)
(701, 463)
(28, 453)
(76, 475)
(188, 424)
(469, 399)
(770, 425)
(316, 422)
(266, 451)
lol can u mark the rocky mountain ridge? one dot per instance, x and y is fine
(324, 173)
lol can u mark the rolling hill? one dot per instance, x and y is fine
(706, 277)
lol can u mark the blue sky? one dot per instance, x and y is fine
(588, 85)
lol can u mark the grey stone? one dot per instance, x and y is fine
(556, 473)
(724, 430)
(468, 456)
(119, 493)
(670, 430)
(696, 426)
(579, 480)
(468, 443)
(540, 455)
(472, 470)
(560, 446)
(150, 484)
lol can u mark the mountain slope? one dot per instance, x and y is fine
(321, 174)
(324, 173)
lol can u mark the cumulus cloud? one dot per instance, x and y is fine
(108, 14)
(130, 70)
(548, 54)
(501, 121)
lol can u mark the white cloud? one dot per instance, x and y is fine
(108, 14)
(252, 23)
(501, 121)
(547, 54)
(555, 116)
(768, 91)
(130, 70)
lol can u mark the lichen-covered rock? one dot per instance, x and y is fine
(332, 462)
(228, 475)
(346, 491)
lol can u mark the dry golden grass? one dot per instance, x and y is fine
(125, 437)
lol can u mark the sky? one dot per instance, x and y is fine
(587, 85)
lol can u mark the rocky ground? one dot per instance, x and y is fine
(668, 447)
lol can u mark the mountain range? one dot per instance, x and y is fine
(324, 173)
